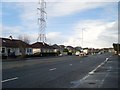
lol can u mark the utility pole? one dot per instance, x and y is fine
(82, 36)
(41, 21)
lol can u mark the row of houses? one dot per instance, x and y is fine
(10, 46)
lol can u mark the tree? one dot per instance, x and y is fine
(24, 38)
(65, 50)
(116, 47)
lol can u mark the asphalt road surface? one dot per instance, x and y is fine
(93, 71)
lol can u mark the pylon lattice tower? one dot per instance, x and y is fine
(42, 16)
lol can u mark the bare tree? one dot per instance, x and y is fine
(22, 46)
(24, 38)
(20, 37)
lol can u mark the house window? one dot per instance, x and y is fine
(30, 50)
(27, 50)
(3, 50)
(20, 51)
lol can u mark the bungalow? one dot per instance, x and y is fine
(111, 50)
(15, 47)
(86, 51)
(71, 49)
(40, 47)
(56, 48)
(62, 47)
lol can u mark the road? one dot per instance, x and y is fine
(93, 71)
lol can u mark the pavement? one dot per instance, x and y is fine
(103, 76)
(93, 71)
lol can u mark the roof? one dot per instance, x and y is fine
(37, 45)
(70, 47)
(41, 45)
(56, 46)
(13, 43)
(62, 46)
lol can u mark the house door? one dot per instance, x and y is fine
(8, 52)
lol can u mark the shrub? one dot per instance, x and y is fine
(65, 50)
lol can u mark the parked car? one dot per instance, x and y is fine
(77, 53)
(80, 53)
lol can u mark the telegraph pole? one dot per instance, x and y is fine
(42, 16)
(82, 36)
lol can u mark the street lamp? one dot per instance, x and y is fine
(82, 36)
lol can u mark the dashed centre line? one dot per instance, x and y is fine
(11, 79)
(52, 69)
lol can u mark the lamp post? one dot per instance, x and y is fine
(82, 35)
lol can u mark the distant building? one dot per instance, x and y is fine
(78, 48)
(71, 49)
(111, 50)
(85, 51)
(56, 48)
(116, 47)
(62, 47)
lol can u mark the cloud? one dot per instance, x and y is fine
(96, 33)
(56, 37)
(57, 8)
(16, 31)
(61, 0)
(9, 30)
(68, 8)
(0, 30)
(52, 37)
(28, 15)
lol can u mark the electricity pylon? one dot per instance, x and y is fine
(42, 16)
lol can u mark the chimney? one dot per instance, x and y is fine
(10, 37)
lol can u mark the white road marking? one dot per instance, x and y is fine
(70, 64)
(11, 79)
(85, 77)
(92, 72)
(77, 83)
(107, 58)
(52, 69)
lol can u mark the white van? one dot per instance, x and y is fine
(77, 53)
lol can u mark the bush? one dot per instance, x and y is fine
(42, 54)
(4, 57)
(65, 50)
(69, 53)
(49, 54)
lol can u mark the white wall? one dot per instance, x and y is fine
(35, 50)
(85, 51)
(27, 51)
